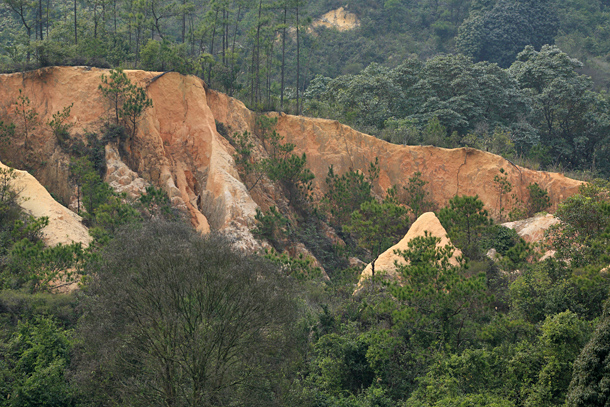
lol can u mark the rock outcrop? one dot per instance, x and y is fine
(386, 263)
(120, 177)
(532, 229)
(177, 147)
(64, 225)
(339, 19)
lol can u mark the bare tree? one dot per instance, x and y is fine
(174, 318)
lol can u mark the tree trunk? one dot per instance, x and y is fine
(40, 18)
(258, 62)
(224, 37)
(212, 48)
(233, 46)
(47, 25)
(283, 56)
(95, 19)
(298, 57)
(75, 26)
(183, 22)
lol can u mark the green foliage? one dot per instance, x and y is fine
(503, 186)
(499, 142)
(250, 171)
(24, 261)
(20, 306)
(134, 105)
(35, 359)
(273, 226)
(115, 88)
(317, 238)
(165, 56)
(552, 287)
(501, 32)
(281, 165)
(7, 132)
(437, 102)
(471, 378)
(583, 236)
(216, 318)
(416, 196)
(465, 221)
(377, 226)
(539, 199)
(570, 119)
(26, 115)
(104, 210)
(436, 299)
(590, 375)
(128, 100)
(342, 365)
(299, 267)
(59, 126)
(9, 210)
(289, 169)
(500, 238)
(94, 191)
(31, 265)
(346, 193)
(156, 204)
(563, 335)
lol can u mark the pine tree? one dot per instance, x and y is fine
(590, 384)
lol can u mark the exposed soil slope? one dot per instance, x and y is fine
(340, 19)
(178, 148)
(64, 225)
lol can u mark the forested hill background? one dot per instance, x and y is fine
(412, 72)
(229, 40)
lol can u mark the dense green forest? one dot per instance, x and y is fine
(166, 317)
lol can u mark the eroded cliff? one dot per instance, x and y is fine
(178, 148)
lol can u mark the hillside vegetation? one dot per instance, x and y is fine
(229, 270)
(166, 316)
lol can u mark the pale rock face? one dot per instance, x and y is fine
(64, 226)
(340, 19)
(492, 254)
(532, 229)
(386, 263)
(120, 177)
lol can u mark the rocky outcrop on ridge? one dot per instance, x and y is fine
(177, 148)
(532, 229)
(64, 226)
(339, 19)
(387, 262)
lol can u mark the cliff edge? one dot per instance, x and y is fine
(178, 148)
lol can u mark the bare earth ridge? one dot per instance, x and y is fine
(177, 148)
(64, 226)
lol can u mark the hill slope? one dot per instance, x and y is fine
(179, 149)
